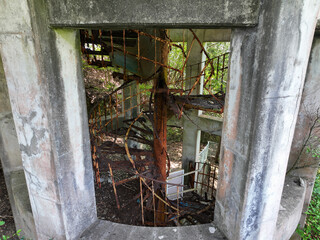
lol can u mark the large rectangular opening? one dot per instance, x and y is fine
(147, 89)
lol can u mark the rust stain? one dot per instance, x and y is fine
(226, 172)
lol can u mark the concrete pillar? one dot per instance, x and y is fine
(267, 71)
(191, 133)
(11, 162)
(44, 76)
(307, 131)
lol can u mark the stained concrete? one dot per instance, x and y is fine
(48, 105)
(47, 99)
(168, 13)
(11, 162)
(262, 104)
(115, 231)
(301, 163)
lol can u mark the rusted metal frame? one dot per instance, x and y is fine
(188, 55)
(114, 186)
(96, 166)
(126, 180)
(222, 105)
(155, 52)
(142, 130)
(222, 72)
(204, 184)
(203, 174)
(160, 198)
(154, 205)
(118, 114)
(198, 78)
(126, 143)
(147, 59)
(100, 34)
(186, 60)
(100, 120)
(152, 36)
(111, 43)
(111, 114)
(124, 55)
(209, 178)
(159, 39)
(194, 85)
(140, 139)
(217, 75)
(141, 201)
(159, 181)
(203, 49)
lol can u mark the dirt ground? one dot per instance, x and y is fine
(5, 209)
(106, 204)
(105, 198)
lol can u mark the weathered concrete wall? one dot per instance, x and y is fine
(307, 132)
(43, 72)
(177, 13)
(11, 162)
(267, 72)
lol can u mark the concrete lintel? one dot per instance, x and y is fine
(154, 13)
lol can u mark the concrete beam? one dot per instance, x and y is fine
(164, 13)
(204, 123)
(48, 105)
(302, 163)
(267, 72)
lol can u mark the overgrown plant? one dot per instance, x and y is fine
(312, 227)
(311, 149)
(6, 237)
(311, 145)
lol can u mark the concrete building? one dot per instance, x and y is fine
(265, 182)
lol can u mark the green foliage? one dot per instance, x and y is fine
(314, 151)
(219, 79)
(312, 227)
(174, 134)
(6, 237)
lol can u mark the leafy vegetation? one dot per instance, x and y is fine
(6, 237)
(312, 227)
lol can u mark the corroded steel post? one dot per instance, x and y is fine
(160, 113)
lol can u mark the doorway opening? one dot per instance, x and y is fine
(142, 87)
